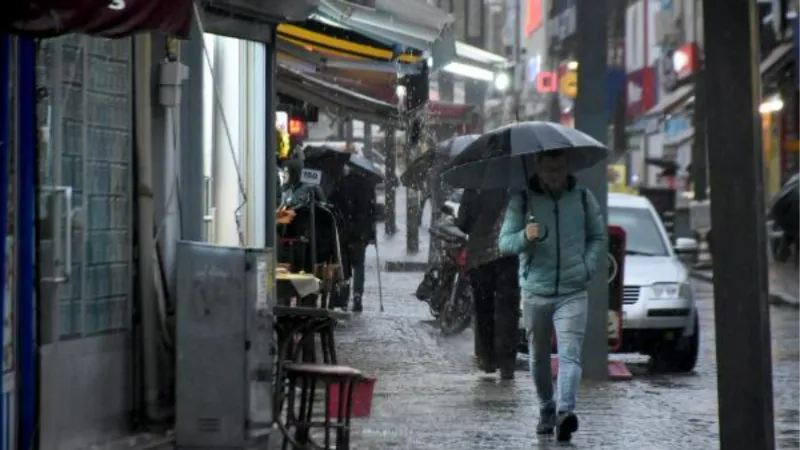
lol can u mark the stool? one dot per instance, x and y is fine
(305, 349)
(306, 377)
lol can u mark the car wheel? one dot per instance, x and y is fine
(678, 356)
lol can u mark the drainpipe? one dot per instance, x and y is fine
(148, 308)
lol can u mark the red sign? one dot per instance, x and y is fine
(547, 82)
(296, 127)
(685, 60)
(534, 16)
(640, 92)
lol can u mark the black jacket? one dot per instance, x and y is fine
(480, 215)
(354, 197)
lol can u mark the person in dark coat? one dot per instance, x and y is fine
(494, 281)
(354, 197)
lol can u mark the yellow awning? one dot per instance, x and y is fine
(334, 46)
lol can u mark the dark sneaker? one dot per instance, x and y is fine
(506, 372)
(566, 424)
(487, 366)
(357, 306)
(547, 421)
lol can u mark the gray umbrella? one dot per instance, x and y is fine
(503, 158)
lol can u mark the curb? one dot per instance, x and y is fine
(405, 266)
(702, 275)
(775, 298)
(780, 299)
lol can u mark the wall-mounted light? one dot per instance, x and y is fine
(469, 71)
(771, 105)
(502, 81)
(572, 65)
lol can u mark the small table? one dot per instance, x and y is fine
(299, 285)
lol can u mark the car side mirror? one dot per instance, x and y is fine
(684, 245)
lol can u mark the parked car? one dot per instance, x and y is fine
(659, 313)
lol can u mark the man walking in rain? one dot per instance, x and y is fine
(494, 283)
(354, 197)
(557, 229)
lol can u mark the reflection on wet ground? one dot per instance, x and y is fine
(430, 396)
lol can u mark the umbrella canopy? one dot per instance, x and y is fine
(366, 168)
(332, 162)
(503, 158)
(420, 168)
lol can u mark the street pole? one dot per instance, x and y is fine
(699, 149)
(744, 362)
(591, 117)
(516, 83)
(390, 184)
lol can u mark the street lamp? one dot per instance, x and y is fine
(502, 81)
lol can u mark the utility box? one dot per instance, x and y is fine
(225, 347)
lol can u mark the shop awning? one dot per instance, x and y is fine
(449, 113)
(333, 98)
(672, 100)
(408, 23)
(474, 63)
(777, 58)
(326, 47)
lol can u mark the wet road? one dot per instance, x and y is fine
(430, 396)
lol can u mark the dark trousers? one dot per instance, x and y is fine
(496, 290)
(356, 251)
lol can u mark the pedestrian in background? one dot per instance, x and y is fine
(557, 229)
(494, 281)
(354, 197)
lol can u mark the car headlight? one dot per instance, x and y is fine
(665, 291)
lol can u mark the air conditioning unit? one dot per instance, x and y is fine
(669, 29)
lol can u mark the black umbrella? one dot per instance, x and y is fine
(366, 168)
(332, 161)
(417, 172)
(502, 158)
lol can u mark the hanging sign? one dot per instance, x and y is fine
(311, 176)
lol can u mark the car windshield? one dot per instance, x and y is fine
(642, 235)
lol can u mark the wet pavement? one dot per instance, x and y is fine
(430, 396)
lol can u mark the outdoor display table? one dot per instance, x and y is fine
(295, 285)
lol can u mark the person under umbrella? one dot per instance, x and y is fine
(494, 281)
(354, 197)
(557, 229)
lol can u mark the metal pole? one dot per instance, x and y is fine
(516, 83)
(5, 133)
(744, 359)
(191, 139)
(272, 153)
(313, 232)
(699, 149)
(591, 117)
(26, 222)
(390, 195)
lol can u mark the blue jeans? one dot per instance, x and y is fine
(567, 315)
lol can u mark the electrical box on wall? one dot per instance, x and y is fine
(225, 347)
